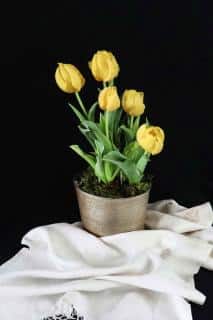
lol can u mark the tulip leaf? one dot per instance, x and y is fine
(136, 124)
(80, 116)
(88, 135)
(117, 118)
(109, 170)
(116, 125)
(147, 122)
(91, 112)
(113, 121)
(87, 157)
(99, 135)
(128, 133)
(102, 122)
(99, 166)
(142, 162)
(99, 147)
(115, 155)
(133, 151)
(99, 170)
(128, 167)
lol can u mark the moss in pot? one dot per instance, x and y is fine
(113, 191)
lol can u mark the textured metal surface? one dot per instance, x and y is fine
(105, 216)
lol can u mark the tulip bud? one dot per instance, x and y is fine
(104, 66)
(150, 138)
(108, 99)
(132, 102)
(68, 78)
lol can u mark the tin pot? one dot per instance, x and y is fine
(105, 216)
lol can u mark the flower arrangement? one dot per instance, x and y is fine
(121, 145)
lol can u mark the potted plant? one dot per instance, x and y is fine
(113, 191)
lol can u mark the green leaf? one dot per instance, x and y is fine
(80, 116)
(91, 112)
(109, 170)
(128, 167)
(113, 120)
(147, 122)
(106, 175)
(99, 147)
(102, 122)
(88, 135)
(116, 172)
(99, 170)
(99, 167)
(118, 114)
(99, 135)
(136, 124)
(87, 157)
(133, 151)
(115, 155)
(142, 162)
(128, 133)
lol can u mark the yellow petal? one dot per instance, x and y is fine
(104, 66)
(132, 102)
(62, 84)
(108, 99)
(69, 78)
(150, 138)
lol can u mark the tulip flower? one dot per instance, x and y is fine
(104, 66)
(108, 99)
(132, 102)
(68, 78)
(150, 138)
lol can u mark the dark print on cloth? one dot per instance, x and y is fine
(61, 316)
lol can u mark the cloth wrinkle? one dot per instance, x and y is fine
(147, 273)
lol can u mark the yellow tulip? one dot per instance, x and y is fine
(150, 138)
(108, 99)
(68, 78)
(132, 102)
(104, 66)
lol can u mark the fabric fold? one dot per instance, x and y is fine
(145, 270)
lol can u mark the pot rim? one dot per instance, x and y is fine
(76, 184)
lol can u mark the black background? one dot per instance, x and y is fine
(163, 47)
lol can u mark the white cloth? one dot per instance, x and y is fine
(146, 274)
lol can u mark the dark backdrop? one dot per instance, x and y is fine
(163, 48)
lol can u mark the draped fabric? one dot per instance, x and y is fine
(64, 272)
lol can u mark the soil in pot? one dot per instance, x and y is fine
(89, 183)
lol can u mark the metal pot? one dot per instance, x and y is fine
(105, 216)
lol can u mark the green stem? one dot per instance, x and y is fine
(104, 84)
(131, 121)
(115, 173)
(80, 103)
(147, 154)
(107, 123)
(121, 178)
(111, 83)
